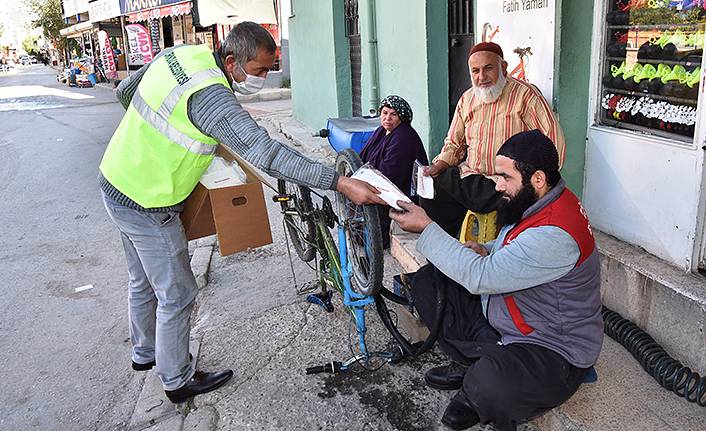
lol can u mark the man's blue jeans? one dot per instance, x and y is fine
(161, 290)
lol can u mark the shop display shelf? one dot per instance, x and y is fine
(607, 121)
(656, 26)
(676, 100)
(653, 61)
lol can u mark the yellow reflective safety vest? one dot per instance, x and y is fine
(157, 156)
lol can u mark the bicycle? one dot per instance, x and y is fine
(354, 268)
(519, 71)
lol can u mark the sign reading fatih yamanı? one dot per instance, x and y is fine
(525, 30)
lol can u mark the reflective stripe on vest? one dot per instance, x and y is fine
(172, 99)
(159, 122)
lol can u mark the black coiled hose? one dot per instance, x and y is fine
(669, 372)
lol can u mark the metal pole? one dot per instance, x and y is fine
(373, 59)
(125, 44)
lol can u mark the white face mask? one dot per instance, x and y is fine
(251, 85)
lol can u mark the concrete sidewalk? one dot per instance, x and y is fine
(251, 319)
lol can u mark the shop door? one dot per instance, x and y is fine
(460, 42)
(167, 30)
(353, 35)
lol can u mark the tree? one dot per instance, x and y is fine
(50, 18)
(30, 45)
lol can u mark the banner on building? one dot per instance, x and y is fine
(525, 29)
(102, 10)
(139, 45)
(107, 55)
(235, 11)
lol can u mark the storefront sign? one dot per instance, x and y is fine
(172, 10)
(74, 7)
(129, 6)
(525, 30)
(101, 10)
(140, 46)
(107, 56)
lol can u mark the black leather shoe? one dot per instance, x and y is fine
(446, 378)
(201, 383)
(143, 367)
(148, 366)
(460, 414)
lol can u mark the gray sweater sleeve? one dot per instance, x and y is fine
(128, 86)
(538, 255)
(216, 113)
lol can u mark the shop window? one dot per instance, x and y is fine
(652, 66)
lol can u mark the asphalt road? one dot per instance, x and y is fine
(64, 355)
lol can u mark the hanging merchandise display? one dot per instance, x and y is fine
(140, 45)
(652, 65)
(107, 55)
(154, 32)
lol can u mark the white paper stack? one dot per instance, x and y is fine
(389, 192)
(221, 173)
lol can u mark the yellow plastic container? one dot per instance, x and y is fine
(479, 227)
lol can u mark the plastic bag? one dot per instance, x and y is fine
(422, 185)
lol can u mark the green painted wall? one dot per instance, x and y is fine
(320, 68)
(411, 43)
(571, 101)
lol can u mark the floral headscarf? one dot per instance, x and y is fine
(399, 105)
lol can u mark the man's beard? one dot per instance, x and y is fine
(510, 211)
(491, 94)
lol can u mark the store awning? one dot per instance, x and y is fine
(182, 8)
(235, 11)
(76, 29)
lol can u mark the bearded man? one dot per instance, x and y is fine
(495, 108)
(522, 322)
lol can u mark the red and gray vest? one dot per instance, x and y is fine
(563, 315)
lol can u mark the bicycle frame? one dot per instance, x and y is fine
(339, 273)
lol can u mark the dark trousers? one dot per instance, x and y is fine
(506, 384)
(453, 196)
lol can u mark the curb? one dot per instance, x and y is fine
(265, 96)
(200, 263)
(153, 409)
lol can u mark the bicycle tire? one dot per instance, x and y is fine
(409, 347)
(366, 262)
(301, 232)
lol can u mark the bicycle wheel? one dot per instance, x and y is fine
(362, 230)
(410, 345)
(300, 225)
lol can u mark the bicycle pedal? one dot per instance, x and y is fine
(323, 300)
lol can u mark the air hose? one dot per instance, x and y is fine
(668, 372)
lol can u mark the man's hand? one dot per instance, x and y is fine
(360, 192)
(436, 168)
(478, 248)
(412, 219)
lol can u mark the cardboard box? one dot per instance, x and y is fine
(237, 214)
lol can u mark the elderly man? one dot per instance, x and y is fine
(523, 317)
(179, 107)
(495, 108)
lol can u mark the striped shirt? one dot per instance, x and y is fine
(478, 129)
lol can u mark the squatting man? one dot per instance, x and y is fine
(522, 323)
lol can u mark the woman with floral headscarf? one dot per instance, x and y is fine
(392, 150)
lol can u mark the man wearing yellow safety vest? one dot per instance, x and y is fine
(179, 107)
